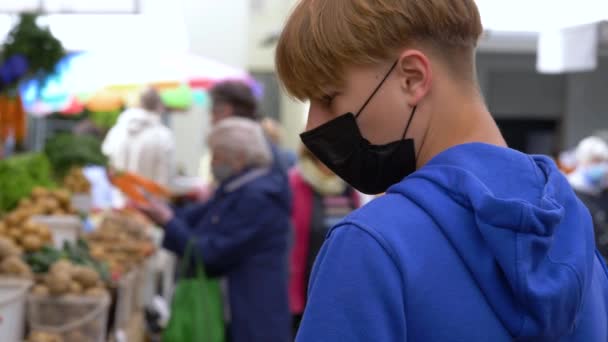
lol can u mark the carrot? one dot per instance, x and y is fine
(147, 184)
(21, 120)
(129, 189)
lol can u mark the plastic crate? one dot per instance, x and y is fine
(145, 285)
(63, 228)
(125, 291)
(83, 203)
(74, 318)
(13, 293)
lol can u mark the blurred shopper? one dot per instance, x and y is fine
(140, 143)
(473, 241)
(590, 181)
(320, 200)
(232, 99)
(274, 132)
(241, 232)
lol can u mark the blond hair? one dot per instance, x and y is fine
(323, 37)
(243, 139)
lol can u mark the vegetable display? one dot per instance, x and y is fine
(28, 235)
(66, 151)
(19, 175)
(121, 242)
(76, 182)
(65, 277)
(41, 336)
(42, 201)
(11, 264)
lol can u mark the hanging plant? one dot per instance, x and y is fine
(30, 51)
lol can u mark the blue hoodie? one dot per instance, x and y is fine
(481, 244)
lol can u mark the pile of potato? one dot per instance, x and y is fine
(76, 182)
(65, 278)
(47, 202)
(121, 242)
(41, 336)
(11, 264)
(28, 235)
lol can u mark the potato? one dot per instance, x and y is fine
(39, 336)
(97, 252)
(8, 248)
(45, 233)
(15, 266)
(52, 204)
(86, 276)
(15, 234)
(20, 216)
(39, 191)
(58, 283)
(63, 196)
(41, 290)
(12, 219)
(37, 210)
(31, 243)
(75, 288)
(30, 227)
(62, 266)
(59, 212)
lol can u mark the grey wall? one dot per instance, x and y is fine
(270, 102)
(513, 89)
(587, 104)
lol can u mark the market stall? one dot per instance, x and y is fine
(68, 273)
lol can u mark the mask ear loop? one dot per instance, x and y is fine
(376, 90)
(409, 122)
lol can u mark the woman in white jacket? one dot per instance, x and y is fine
(140, 143)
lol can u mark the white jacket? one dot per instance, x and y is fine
(140, 143)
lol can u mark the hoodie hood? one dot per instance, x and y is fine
(140, 121)
(532, 250)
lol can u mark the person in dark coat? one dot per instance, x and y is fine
(235, 99)
(590, 182)
(241, 233)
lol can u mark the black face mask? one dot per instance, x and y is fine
(371, 169)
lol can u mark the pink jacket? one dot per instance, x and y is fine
(301, 217)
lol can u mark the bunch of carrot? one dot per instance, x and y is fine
(12, 118)
(137, 187)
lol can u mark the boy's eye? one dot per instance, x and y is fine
(327, 99)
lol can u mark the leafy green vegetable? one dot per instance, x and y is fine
(105, 120)
(37, 44)
(78, 253)
(68, 150)
(41, 261)
(19, 175)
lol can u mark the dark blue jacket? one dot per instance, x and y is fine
(242, 233)
(481, 244)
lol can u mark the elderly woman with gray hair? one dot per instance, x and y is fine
(241, 233)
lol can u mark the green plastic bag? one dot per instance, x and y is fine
(196, 310)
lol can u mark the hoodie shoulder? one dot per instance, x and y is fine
(388, 219)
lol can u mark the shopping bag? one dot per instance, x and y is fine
(197, 309)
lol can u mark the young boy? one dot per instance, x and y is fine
(472, 241)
